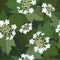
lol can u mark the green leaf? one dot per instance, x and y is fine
(52, 51)
(55, 20)
(15, 57)
(32, 52)
(6, 45)
(53, 2)
(36, 15)
(22, 40)
(18, 19)
(3, 15)
(12, 4)
(46, 28)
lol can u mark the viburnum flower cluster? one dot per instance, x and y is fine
(58, 28)
(47, 9)
(25, 6)
(26, 57)
(26, 28)
(40, 42)
(6, 30)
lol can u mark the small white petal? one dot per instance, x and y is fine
(23, 56)
(47, 39)
(20, 58)
(41, 50)
(18, 7)
(1, 35)
(48, 46)
(36, 49)
(31, 10)
(19, 1)
(25, 12)
(1, 23)
(7, 38)
(42, 34)
(11, 37)
(6, 22)
(14, 26)
(21, 30)
(44, 5)
(33, 2)
(31, 57)
(31, 41)
(13, 33)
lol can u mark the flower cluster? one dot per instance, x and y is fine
(58, 28)
(47, 9)
(6, 30)
(40, 42)
(26, 57)
(24, 6)
(26, 28)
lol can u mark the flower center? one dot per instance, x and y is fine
(5, 29)
(25, 4)
(26, 27)
(39, 42)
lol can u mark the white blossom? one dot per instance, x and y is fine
(14, 26)
(31, 10)
(40, 42)
(1, 35)
(26, 6)
(58, 29)
(26, 28)
(26, 57)
(7, 31)
(47, 9)
(1, 23)
(31, 41)
(6, 22)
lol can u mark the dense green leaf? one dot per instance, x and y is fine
(6, 45)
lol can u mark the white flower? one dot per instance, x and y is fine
(11, 37)
(20, 11)
(26, 57)
(47, 9)
(18, 7)
(31, 57)
(33, 2)
(7, 31)
(41, 50)
(23, 56)
(7, 38)
(25, 12)
(36, 48)
(6, 22)
(1, 23)
(19, 1)
(40, 42)
(31, 41)
(47, 39)
(44, 5)
(42, 34)
(26, 6)
(34, 36)
(31, 10)
(58, 28)
(20, 58)
(13, 33)
(14, 26)
(48, 46)
(26, 28)
(1, 35)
